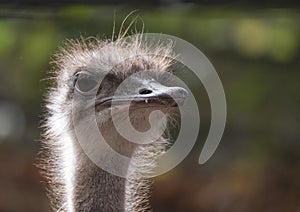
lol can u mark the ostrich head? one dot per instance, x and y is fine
(101, 81)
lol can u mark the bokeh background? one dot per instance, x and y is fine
(255, 50)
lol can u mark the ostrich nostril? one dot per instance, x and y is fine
(145, 91)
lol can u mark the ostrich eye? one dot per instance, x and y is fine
(85, 82)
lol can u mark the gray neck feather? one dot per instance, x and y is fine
(97, 190)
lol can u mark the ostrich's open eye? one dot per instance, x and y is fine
(85, 83)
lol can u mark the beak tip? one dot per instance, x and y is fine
(183, 92)
(180, 95)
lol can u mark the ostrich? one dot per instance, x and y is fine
(73, 181)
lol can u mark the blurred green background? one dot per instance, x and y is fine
(256, 54)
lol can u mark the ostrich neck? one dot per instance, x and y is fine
(97, 190)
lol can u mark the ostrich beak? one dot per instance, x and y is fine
(155, 94)
(146, 93)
